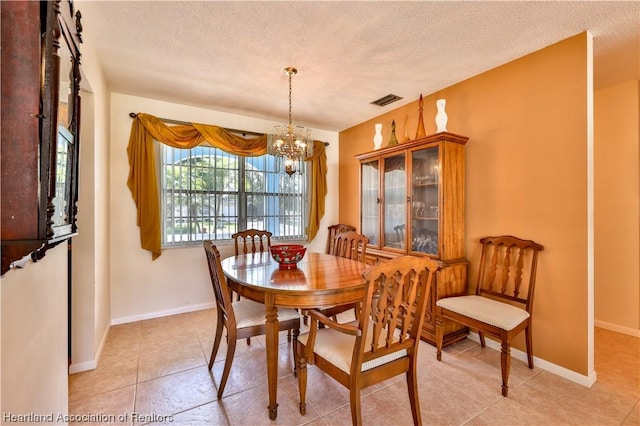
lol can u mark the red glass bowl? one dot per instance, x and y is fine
(288, 255)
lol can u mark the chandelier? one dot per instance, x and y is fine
(290, 144)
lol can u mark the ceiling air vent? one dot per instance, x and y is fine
(386, 100)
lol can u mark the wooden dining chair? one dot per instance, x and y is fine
(502, 304)
(252, 241)
(382, 343)
(334, 230)
(350, 245)
(242, 319)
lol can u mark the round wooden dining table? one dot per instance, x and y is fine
(320, 280)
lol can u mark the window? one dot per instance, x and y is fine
(210, 194)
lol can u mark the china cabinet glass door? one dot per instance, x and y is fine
(395, 202)
(419, 210)
(425, 211)
(370, 199)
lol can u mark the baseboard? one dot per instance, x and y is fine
(83, 366)
(617, 328)
(580, 379)
(91, 364)
(165, 313)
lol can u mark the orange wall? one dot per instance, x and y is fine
(526, 175)
(617, 207)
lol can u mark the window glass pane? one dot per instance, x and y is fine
(425, 195)
(395, 201)
(210, 194)
(370, 198)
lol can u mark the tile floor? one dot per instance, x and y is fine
(155, 371)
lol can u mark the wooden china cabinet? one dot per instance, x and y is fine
(412, 202)
(40, 123)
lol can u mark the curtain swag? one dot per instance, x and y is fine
(142, 181)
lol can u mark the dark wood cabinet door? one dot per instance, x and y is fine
(38, 179)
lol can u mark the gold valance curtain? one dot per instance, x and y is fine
(143, 179)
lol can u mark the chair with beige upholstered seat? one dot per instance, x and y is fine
(381, 343)
(252, 241)
(242, 319)
(502, 304)
(350, 245)
(334, 230)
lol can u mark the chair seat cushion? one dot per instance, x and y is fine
(337, 348)
(499, 314)
(249, 313)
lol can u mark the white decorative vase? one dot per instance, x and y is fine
(441, 116)
(377, 138)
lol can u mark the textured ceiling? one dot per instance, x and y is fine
(229, 56)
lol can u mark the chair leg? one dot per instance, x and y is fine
(529, 343)
(354, 399)
(301, 367)
(439, 336)
(216, 342)
(505, 365)
(231, 349)
(482, 341)
(412, 386)
(248, 340)
(296, 333)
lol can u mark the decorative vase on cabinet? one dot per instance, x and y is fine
(441, 116)
(377, 137)
(412, 202)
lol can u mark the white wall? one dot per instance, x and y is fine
(34, 336)
(177, 281)
(91, 312)
(83, 350)
(34, 354)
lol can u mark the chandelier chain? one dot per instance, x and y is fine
(290, 98)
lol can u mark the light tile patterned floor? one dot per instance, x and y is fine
(155, 371)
